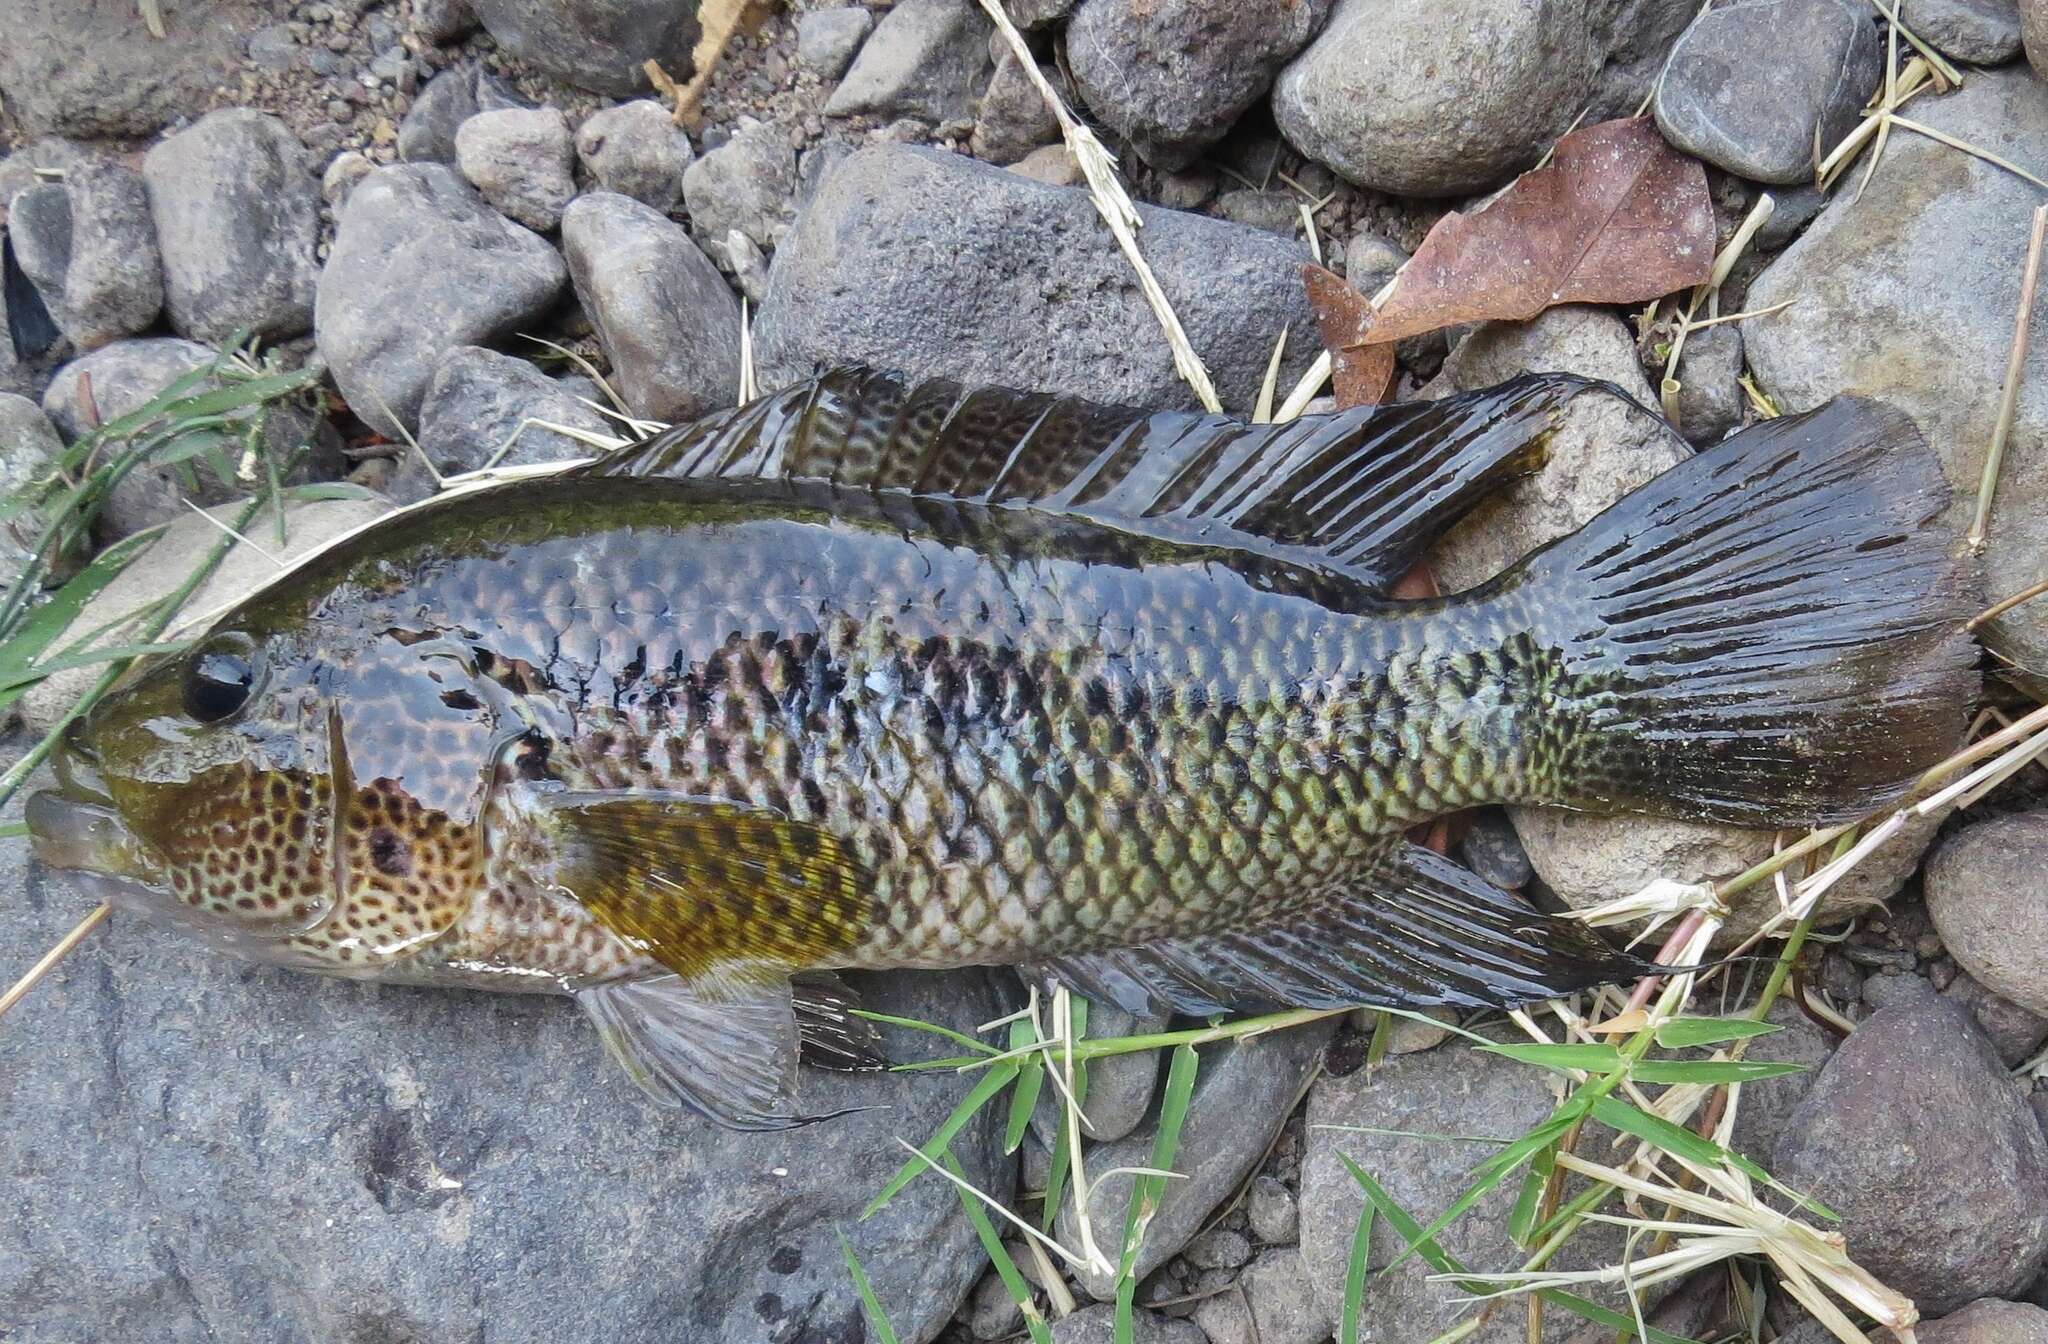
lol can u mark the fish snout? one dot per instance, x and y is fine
(65, 832)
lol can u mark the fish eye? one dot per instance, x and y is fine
(219, 678)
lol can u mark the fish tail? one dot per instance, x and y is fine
(1771, 632)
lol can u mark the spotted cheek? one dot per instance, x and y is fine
(409, 873)
(255, 855)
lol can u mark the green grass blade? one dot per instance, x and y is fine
(1590, 1058)
(1683, 1033)
(1023, 1097)
(992, 1082)
(999, 1256)
(1146, 1190)
(913, 1024)
(1055, 1180)
(1529, 1203)
(1710, 1070)
(1354, 1277)
(879, 1319)
(55, 616)
(1606, 1319)
(1418, 1239)
(1496, 1169)
(16, 681)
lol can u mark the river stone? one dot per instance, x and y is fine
(1504, 81)
(2034, 34)
(1918, 1138)
(826, 39)
(637, 150)
(114, 279)
(1173, 78)
(1763, 87)
(237, 217)
(1120, 1087)
(600, 45)
(520, 159)
(926, 58)
(1603, 450)
(2015, 1032)
(1711, 402)
(154, 575)
(1244, 1093)
(1097, 1325)
(1983, 893)
(1013, 118)
(278, 1156)
(1982, 32)
(1275, 1304)
(476, 405)
(931, 263)
(427, 134)
(39, 226)
(91, 68)
(669, 324)
(1988, 1321)
(747, 183)
(420, 266)
(1937, 243)
(29, 449)
(1457, 1090)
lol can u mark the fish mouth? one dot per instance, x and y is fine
(87, 839)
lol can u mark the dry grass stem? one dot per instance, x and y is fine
(21, 987)
(2015, 371)
(1307, 390)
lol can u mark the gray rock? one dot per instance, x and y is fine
(94, 70)
(1453, 1091)
(1054, 165)
(479, 400)
(427, 134)
(1988, 1321)
(1767, 1107)
(1173, 79)
(1710, 400)
(348, 168)
(1014, 118)
(1218, 1248)
(1276, 1304)
(826, 39)
(1028, 14)
(152, 577)
(2034, 34)
(926, 58)
(2013, 1031)
(520, 159)
(1493, 850)
(1243, 1095)
(1504, 83)
(1120, 1087)
(420, 266)
(937, 265)
(1982, 32)
(114, 281)
(1270, 1208)
(273, 49)
(1939, 238)
(669, 324)
(1792, 209)
(1603, 450)
(450, 1128)
(600, 45)
(1763, 87)
(1097, 1325)
(29, 449)
(39, 224)
(1983, 894)
(237, 218)
(1897, 989)
(1916, 1136)
(1272, 211)
(637, 150)
(443, 21)
(748, 183)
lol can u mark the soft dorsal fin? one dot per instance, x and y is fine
(1359, 492)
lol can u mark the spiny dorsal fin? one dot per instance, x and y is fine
(1419, 931)
(1360, 492)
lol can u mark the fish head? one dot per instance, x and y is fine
(300, 786)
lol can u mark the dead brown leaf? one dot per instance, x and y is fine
(1360, 374)
(1618, 216)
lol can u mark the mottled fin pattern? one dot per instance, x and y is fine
(1772, 632)
(1360, 492)
(1419, 931)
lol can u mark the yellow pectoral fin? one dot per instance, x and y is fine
(701, 885)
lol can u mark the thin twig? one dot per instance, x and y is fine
(56, 954)
(1999, 608)
(2015, 370)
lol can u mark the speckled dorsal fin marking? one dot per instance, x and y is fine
(1420, 931)
(723, 1045)
(703, 885)
(1361, 492)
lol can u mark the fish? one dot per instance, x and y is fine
(876, 673)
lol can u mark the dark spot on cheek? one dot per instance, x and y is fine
(786, 1260)
(388, 854)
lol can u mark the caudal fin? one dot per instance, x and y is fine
(1771, 632)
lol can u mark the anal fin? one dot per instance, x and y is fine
(831, 1036)
(1418, 931)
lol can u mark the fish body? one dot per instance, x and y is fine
(871, 675)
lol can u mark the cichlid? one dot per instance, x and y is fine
(871, 674)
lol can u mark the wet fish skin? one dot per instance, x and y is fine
(665, 740)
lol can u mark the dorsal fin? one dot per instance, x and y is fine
(1359, 492)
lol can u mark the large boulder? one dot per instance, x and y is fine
(600, 45)
(928, 262)
(232, 1152)
(1173, 78)
(92, 68)
(1936, 244)
(420, 266)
